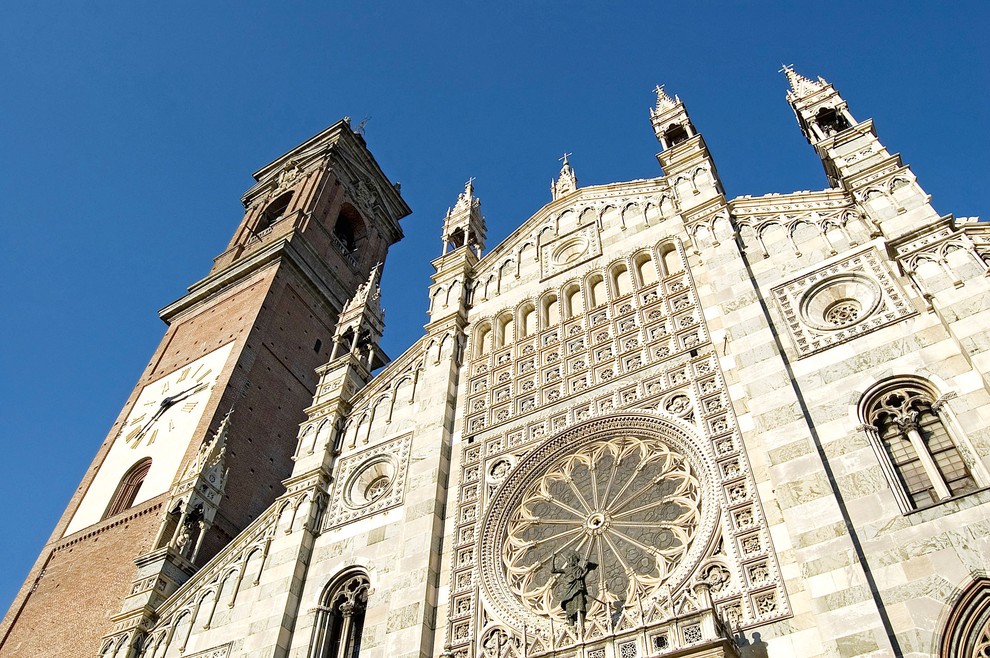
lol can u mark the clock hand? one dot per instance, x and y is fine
(182, 395)
(165, 405)
(158, 414)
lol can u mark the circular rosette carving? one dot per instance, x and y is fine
(630, 505)
(840, 301)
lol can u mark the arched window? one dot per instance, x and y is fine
(671, 259)
(596, 290)
(831, 121)
(340, 617)
(645, 269)
(551, 311)
(483, 339)
(275, 211)
(128, 488)
(348, 229)
(573, 303)
(908, 426)
(621, 281)
(966, 632)
(675, 134)
(456, 239)
(506, 330)
(527, 320)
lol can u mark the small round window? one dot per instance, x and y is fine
(843, 312)
(570, 251)
(839, 302)
(371, 482)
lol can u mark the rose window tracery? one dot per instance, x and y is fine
(378, 488)
(630, 505)
(843, 312)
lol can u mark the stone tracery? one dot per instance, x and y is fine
(631, 505)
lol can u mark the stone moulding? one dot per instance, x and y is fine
(215, 652)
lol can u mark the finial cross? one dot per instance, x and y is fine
(564, 158)
(785, 68)
(658, 89)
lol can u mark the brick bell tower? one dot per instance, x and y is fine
(248, 337)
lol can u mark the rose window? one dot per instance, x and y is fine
(843, 312)
(631, 506)
(840, 301)
(371, 482)
(378, 488)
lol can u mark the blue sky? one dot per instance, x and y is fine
(128, 134)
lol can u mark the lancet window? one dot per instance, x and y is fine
(915, 438)
(340, 617)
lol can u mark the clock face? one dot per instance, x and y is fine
(160, 425)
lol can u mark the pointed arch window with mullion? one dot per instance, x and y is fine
(907, 424)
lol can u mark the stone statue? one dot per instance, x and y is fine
(574, 600)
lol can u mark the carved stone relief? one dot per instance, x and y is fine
(839, 302)
(570, 250)
(369, 482)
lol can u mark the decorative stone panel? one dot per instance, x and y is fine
(216, 652)
(570, 250)
(837, 303)
(369, 482)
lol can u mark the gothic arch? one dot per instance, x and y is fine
(307, 441)
(339, 625)
(919, 445)
(966, 630)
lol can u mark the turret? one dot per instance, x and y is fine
(464, 225)
(684, 156)
(855, 160)
(361, 325)
(463, 242)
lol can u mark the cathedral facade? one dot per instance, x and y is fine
(652, 421)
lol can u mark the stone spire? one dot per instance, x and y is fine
(211, 453)
(368, 296)
(664, 101)
(464, 225)
(362, 323)
(820, 110)
(800, 85)
(566, 183)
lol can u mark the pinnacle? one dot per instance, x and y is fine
(664, 101)
(800, 85)
(466, 198)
